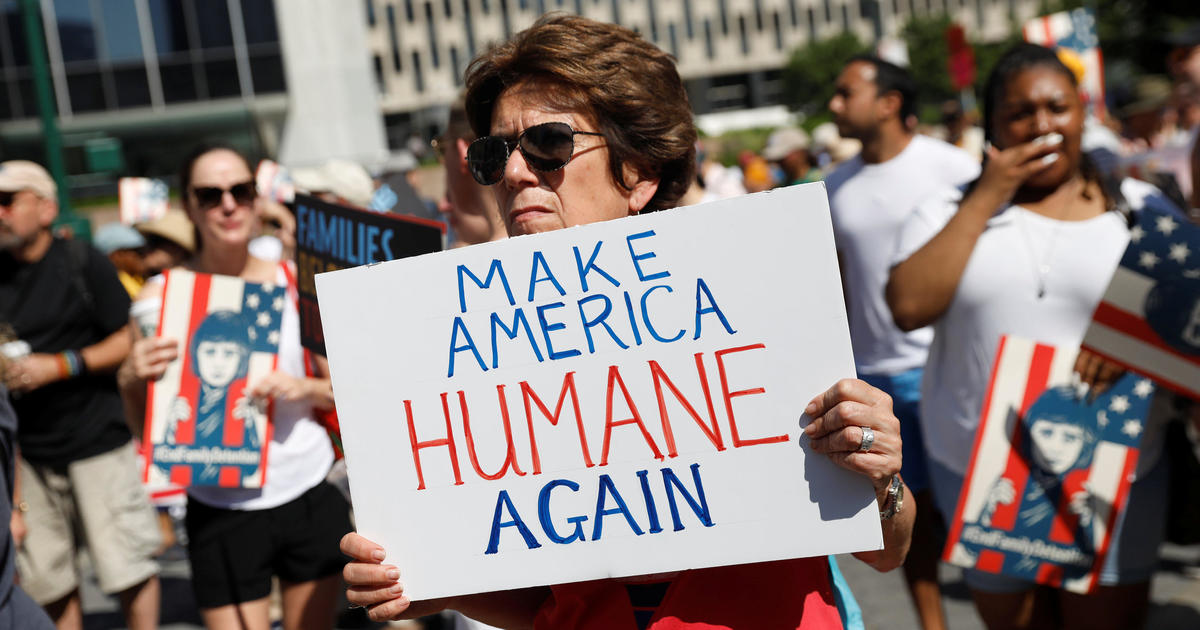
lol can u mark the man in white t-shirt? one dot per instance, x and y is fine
(871, 196)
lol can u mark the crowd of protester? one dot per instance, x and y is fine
(948, 237)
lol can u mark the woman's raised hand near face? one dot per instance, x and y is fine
(1006, 170)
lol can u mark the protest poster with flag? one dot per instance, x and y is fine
(202, 426)
(1075, 32)
(141, 199)
(274, 182)
(1050, 471)
(1149, 318)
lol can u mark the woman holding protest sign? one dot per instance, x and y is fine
(581, 122)
(240, 538)
(1027, 250)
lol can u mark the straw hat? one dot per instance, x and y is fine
(173, 226)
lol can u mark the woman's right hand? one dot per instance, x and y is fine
(151, 355)
(370, 583)
(1006, 170)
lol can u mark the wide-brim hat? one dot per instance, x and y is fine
(173, 226)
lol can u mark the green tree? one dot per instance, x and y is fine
(810, 74)
(928, 60)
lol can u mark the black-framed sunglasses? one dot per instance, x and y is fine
(546, 147)
(7, 197)
(210, 196)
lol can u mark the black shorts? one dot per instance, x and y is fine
(234, 553)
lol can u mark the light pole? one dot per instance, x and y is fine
(51, 137)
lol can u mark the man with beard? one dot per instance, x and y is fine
(77, 473)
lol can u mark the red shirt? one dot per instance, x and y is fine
(787, 594)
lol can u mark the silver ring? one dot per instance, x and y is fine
(26, 379)
(868, 439)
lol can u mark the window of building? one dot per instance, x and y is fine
(652, 13)
(432, 34)
(456, 66)
(371, 13)
(222, 78)
(741, 22)
(258, 18)
(212, 21)
(687, 20)
(778, 27)
(130, 85)
(266, 71)
(408, 11)
(505, 19)
(178, 81)
(122, 41)
(418, 76)
(76, 30)
(469, 26)
(812, 25)
(708, 39)
(394, 36)
(578, 7)
(12, 36)
(673, 37)
(541, 6)
(795, 13)
(6, 105)
(845, 17)
(86, 89)
(723, 13)
(380, 83)
(758, 15)
(447, 10)
(169, 22)
(616, 7)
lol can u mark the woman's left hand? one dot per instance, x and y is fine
(839, 416)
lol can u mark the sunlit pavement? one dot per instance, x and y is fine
(882, 596)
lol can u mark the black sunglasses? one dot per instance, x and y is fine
(210, 196)
(546, 147)
(7, 197)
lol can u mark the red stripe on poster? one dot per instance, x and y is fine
(189, 384)
(957, 522)
(229, 477)
(1135, 326)
(1131, 457)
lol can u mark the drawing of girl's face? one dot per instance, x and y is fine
(219, 361)
(1056, 445)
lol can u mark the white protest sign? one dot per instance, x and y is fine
(615, 399)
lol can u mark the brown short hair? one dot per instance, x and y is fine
(626, 85)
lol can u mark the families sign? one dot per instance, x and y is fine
(329, 237)
(1050, 472)
(202, 426)
(615, 399)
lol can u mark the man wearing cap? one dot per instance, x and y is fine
(788, 147)
(77, 475)
(870, 197)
